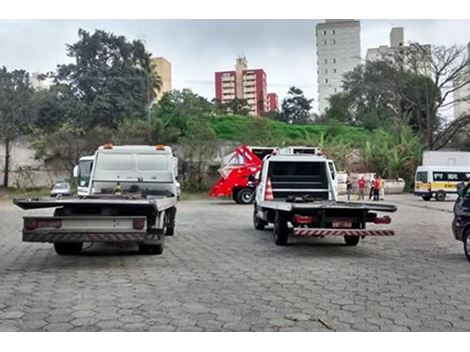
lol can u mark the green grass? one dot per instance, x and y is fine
(194, 195)
(261, 130)
(35, 192)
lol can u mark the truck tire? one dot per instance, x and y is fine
(245, 196)
(426, 197)
(351, 240)
(280, 230)
(151, 249)
(68, 248)
(440, 196)
(466, 244)
(258, 223)
(170, 222)
(235, 195)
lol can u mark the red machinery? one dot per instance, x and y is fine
(237, 178)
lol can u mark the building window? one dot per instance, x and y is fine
(326, 71)
(334, 61)
(334, 41)
(324, 32)
(334, 70)
(334, 32)
(326, 61)
(336, 90)
(326, 80)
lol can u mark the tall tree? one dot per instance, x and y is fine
(449, 70)
(110, 78)
(176, 107)
(15, 110)
(296, 107)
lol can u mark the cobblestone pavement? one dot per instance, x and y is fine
(218, 273)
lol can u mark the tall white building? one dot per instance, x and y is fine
(463, 107)
(397, 40)
(399, 53)
(338, 52)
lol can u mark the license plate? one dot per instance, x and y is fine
(342, 223)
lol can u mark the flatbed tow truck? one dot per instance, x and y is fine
(131, 199)
(299, 189)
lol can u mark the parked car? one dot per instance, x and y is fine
(61, 188)
(461, 222)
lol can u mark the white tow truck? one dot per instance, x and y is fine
(131, 198)
(299, 189)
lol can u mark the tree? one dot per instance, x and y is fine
(15, 110)
(138, 131)
(235, 106)
(449, 71)
(295, 107)
(68, 143)
(110, 79)
(176, 107)
(199, 147)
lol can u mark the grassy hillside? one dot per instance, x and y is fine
(262, 130)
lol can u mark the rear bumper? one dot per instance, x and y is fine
(87, 237)
(305, 232)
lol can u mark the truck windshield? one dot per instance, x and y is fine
(422, 176)
(84, 168)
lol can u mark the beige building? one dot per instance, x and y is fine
(399, 53)
(162, 68)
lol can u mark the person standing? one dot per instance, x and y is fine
(348, 186)
(382, 188)
(361, 185)
(377, 185)
(371, 185)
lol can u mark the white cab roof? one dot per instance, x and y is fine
(297, 158)
(141, 149)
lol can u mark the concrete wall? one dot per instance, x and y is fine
(26, 170)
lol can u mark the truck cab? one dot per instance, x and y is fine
(296, 175)
(131, 198)
(300, 190)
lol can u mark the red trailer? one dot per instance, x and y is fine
(237, 176)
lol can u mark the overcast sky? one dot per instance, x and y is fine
(285, 49)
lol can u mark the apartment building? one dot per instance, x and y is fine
(243, 83)
(162, 67)
(338, 51)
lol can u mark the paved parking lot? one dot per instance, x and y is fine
(219, 274)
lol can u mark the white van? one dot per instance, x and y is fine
(439, 181)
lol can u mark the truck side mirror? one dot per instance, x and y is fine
(75, 171)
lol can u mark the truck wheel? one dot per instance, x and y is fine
(351, 240)
(426, 197)
(466, 244)
(440, 196)
(68, 248)
(258, 223)
(280, 231)
(170, 222)
(151, 248)
(245, 196)
(235, 195)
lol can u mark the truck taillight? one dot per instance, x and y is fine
(303, 219)
(382, 220)
(138, 224)
(30, 224)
